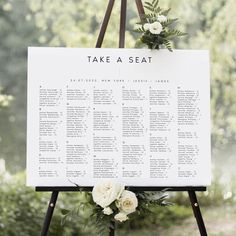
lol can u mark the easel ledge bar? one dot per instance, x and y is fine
(89, 188)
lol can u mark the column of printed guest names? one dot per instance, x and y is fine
(162, 129)
(106, 137)
(189, 118)
(78, 142)
(135, 129)
(51, 118)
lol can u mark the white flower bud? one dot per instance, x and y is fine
(107, 211)
(121, 217)
(162, 18)
(146, 26)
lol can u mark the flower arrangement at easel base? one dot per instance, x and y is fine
(156, 28)
(110, 202)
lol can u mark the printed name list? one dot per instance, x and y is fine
(137, 116)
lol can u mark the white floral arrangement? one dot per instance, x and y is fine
(111, 202)
(114, 199)
(156, 27)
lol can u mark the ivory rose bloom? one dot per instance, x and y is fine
(127, 202)
(155, 27)
(146, 26)
(107, 192)
(107, 211)
(121, 216)
(162, 18)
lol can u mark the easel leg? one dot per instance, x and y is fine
(122, 23)
(49, 213)
(112, 229)
(197, 213)
(104, 24)
(140, 8)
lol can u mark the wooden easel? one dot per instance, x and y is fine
(55, 190)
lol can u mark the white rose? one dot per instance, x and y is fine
(107, 211)
(156, 28)
(107, 192)
(162, 18)
(121, 217)
(127, 202)
(146, 26)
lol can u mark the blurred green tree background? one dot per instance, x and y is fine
(75, 23)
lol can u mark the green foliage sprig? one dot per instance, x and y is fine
(156, 28)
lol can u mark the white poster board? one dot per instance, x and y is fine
(138, 116)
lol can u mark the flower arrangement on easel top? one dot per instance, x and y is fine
(156, 27)
(110, 202)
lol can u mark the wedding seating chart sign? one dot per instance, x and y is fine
(141, 117)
